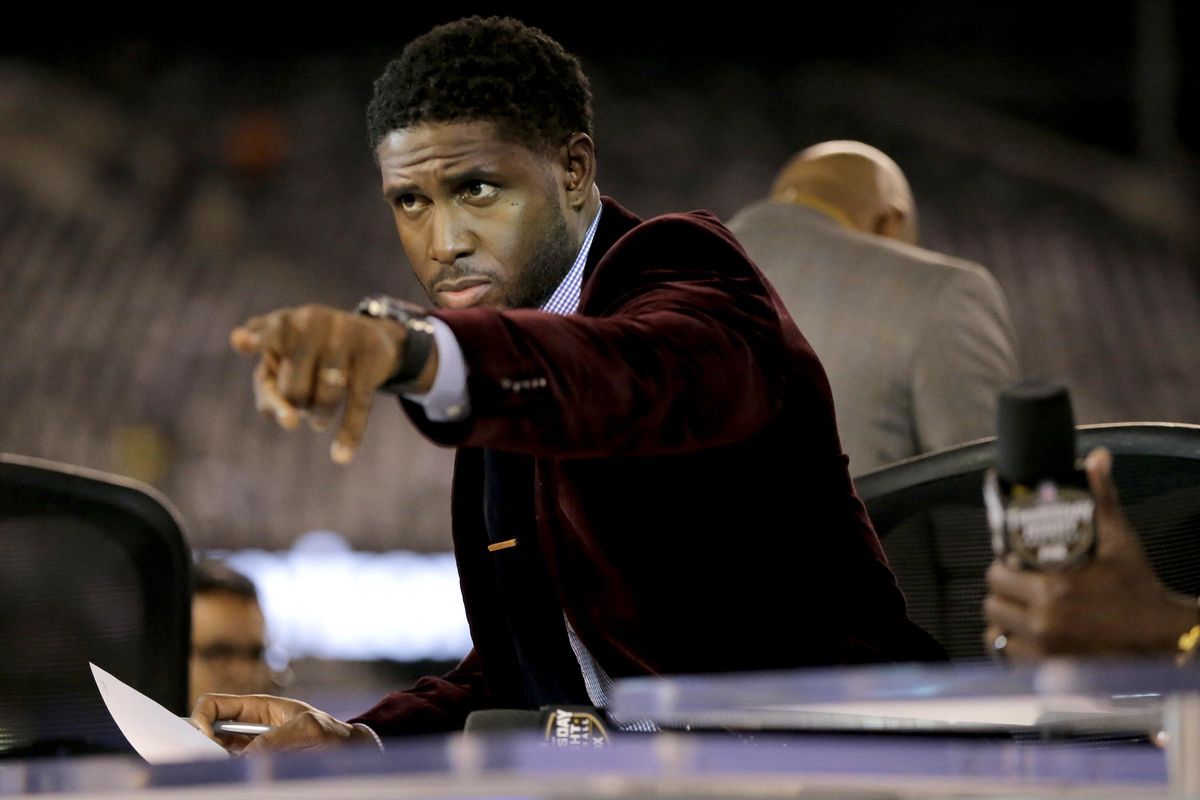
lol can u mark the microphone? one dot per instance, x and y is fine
(1038, 503)
(561, 726)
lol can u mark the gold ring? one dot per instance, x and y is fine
(333, 376)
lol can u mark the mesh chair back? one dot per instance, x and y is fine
(92, 568)
(929, 512)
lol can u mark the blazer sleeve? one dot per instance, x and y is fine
(432, 705)
(964, 357)
(679, 348)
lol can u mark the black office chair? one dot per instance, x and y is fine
(92, 568)
(929, 512)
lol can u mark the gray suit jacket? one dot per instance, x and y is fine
(916, 344)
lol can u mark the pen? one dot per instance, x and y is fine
(246, 728)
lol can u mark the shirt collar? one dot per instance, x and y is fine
(565, 299)
(814, 203)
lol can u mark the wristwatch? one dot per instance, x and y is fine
(418, 338)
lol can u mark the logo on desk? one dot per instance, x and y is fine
(573, 728)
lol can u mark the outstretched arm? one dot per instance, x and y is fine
(685, 353)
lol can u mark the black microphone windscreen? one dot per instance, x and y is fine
(1035, 433)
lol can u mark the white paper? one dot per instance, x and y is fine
(156, 734)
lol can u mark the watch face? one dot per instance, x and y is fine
(383, 306)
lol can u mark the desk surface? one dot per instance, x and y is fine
(1098, 696)
(636, 766)
(858, 761)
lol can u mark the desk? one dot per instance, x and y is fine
(772, 756)
(1066, 699)
(663, 766)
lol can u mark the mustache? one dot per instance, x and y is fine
(455, 272)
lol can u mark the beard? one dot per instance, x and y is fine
(539, 278)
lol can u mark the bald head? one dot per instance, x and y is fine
(853, 182)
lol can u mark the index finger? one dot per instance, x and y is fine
(242, 708)
(247, 337)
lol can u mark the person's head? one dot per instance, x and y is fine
(482, 132)
(228, 634)
(853, 182)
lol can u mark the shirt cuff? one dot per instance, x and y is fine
(446, 400)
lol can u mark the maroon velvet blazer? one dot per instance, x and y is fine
(693, 504)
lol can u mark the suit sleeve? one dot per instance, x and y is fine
(680, 350)
(432, 705)
(964, 357)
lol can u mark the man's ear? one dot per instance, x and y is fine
(578, 155)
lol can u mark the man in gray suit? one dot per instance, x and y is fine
(916, 344)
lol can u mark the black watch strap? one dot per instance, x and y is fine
(418, 338)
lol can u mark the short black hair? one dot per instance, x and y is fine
(210, 576)
(494, 69)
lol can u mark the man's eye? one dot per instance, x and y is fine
(409, 202)
(478, 190)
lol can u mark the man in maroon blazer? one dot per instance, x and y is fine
(649, 479)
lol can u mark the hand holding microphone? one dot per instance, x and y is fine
(1071, 577)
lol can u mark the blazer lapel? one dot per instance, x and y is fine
(615, 222)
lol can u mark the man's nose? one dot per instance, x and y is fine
(450, 238)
